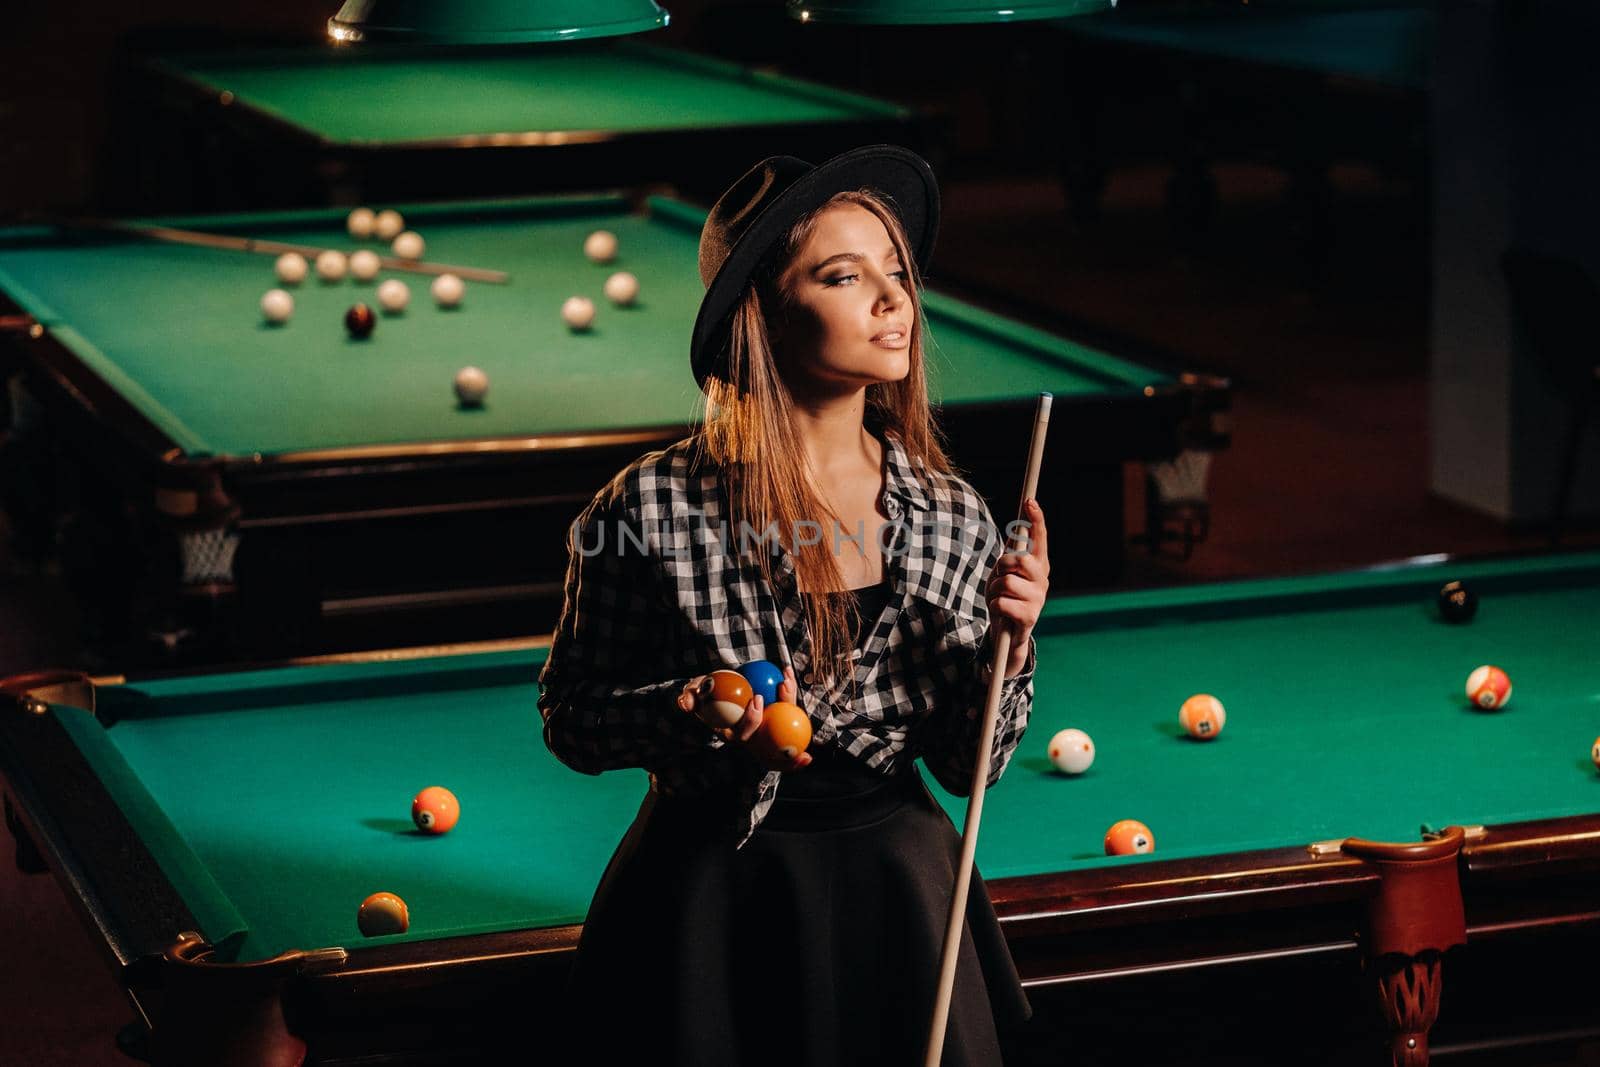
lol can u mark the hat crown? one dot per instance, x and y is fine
(738, 208)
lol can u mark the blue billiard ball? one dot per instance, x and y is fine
(763, 678)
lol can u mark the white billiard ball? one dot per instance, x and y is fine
(601, 246)
(276, 306)
(578, 312)
(393, 296)
(622, 288)
(331, 265)
(1071, 751)
(386, 226)
(291, 268)
(360, 223)
(364, 265)
(471, 385)
(409, 245)
(447, 290)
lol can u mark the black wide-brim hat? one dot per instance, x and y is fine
(761, 207)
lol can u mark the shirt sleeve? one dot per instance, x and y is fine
(950, 742)
(602, 710)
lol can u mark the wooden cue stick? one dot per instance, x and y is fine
(980, 779)
(278, 248)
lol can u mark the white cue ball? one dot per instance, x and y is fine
(386, 226)
(291, 268)
(364, 265)
(409, 245)
(622, 288)
(578, 312)
(1071, 751)
(447, 290)
(276, 306)
(360, 223)
(393, 296)
(331, 265)
(471, 385)
(601, 246)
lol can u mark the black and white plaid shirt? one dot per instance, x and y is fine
(657, 593)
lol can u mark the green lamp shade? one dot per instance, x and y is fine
(934, 12)
(491, 21)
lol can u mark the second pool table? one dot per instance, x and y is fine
(335, 493)
(218, 830)
(252, 127)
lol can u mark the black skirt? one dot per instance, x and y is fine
(817, 943)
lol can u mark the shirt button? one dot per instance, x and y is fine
(805, 676)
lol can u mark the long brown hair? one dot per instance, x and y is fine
(749, 433)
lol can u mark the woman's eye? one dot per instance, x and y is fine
(840, 279)
(902, 275)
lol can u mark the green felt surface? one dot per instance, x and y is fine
(429, 95)
(176, 329)
(1346, 717)
(1390, 47)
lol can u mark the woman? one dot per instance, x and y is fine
(792, 912)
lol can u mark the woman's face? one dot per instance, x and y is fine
(848, 313)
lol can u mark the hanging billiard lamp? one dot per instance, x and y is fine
(490, 21)
(938, 12)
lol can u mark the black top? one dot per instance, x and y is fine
(833, 772)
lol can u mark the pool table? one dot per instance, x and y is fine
(252, 127)
(1356, 822)
(1300, 88)
(333, 491)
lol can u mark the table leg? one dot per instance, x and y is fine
(1416, 916)
(1409, 990)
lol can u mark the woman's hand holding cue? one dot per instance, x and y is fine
(698, 689)
(1017, 588)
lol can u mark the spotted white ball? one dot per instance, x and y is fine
(622, 288)
(291, 268)
(1071, 751)
(360, 223)
(364, 265)
(471, 386)
(393, 296)
(409, 245)
(276, 306)
(387, 225)
(447, 290)
(578, 312)
(600, 246)
(331, 265)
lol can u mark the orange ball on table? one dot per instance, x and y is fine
(383, 913)
(435, 810)
(1489, 688)
(730, 692)
(785, 731)
(1203, 716)
(1129, 837)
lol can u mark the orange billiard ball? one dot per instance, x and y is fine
(730, 692)
(435, 810)
(1489, 688)
(1203, 716)
(785, 731)
(383, 913)
(1129, 837)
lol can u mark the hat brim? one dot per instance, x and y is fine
(901, 175)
